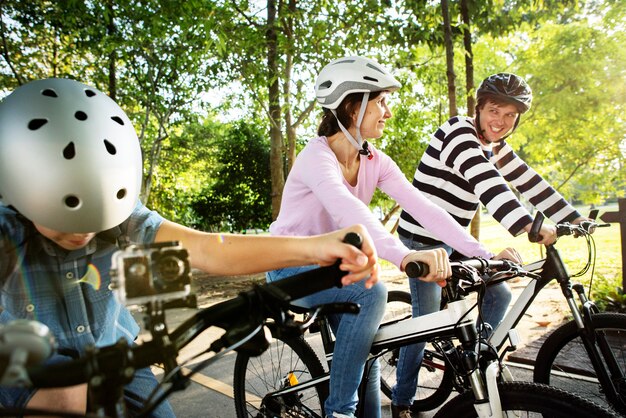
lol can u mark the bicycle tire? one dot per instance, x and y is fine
(535, 399)
(552, 368)
(435, 380)
(275, 368)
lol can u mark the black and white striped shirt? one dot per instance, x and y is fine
(456, 171)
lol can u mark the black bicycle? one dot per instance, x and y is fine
(586, 354)
(245, 319)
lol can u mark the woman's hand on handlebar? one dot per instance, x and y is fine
(438, 264)
(509, 254)
(361, 264)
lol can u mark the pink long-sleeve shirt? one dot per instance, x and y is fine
(317, 199)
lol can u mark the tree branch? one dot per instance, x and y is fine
(5, 50)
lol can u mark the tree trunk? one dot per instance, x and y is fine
(449, 58)
(290, 127)
(276, 138)
(469, 88)
(112, 55)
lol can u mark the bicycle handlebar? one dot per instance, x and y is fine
(565, 228)
(416, 269)
(122, 358)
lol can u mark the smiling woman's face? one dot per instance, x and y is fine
(376, 113)
(68, 241)
(497, 120)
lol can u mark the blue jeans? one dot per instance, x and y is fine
(353, 337)
(426, 299)
(135, 393)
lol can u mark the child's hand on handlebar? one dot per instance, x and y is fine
(438, 264)
(361, 264)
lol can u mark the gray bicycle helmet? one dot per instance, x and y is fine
(351, 75)
(70, 158)
(508, 87)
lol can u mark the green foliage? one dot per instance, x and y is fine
(162, 58)
(575, 131)
(609, 297)
(239, 199)
(187, 167)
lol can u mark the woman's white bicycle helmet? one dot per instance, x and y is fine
(348, 75)
(70, 158)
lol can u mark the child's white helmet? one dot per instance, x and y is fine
(70, 158)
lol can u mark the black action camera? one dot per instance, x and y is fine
(149, 273)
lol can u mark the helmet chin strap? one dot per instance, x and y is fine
(357, 142)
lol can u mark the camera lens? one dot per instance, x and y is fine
(170, 268)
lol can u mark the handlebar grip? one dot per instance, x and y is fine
(354, 239)
(415, 269)
(533, 234)
(316, 280)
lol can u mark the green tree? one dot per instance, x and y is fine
(575, 132)
(239, 199)
(274, 51)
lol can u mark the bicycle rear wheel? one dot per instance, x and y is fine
(435, 381)
(563, 361)
(284, 364)
(524, 399)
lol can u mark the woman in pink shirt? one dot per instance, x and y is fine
(330, 186)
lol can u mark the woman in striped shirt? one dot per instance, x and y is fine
(467, 162)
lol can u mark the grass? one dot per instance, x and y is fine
(608, 267)
(573, 250)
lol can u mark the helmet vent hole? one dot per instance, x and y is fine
(370, 79)
(80, 115)
(90, 93)
(49, 93)
(72, 201)
(69, 151)
(118, 120)
(110, 147)
(121, 194)
(35, 124)
(375, 68)
(326, 84)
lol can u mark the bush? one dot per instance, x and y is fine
(609, 297)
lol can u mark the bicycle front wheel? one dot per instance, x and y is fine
(563, 361)
(524, 399)
(286, 363)
(434, 381)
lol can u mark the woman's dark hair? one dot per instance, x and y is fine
(329, 126)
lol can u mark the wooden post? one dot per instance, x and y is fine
(619, 217)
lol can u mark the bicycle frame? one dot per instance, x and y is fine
(456, 321)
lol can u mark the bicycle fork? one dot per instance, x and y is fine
(484, 388)
(597, 346)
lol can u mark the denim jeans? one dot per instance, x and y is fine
(425, 299)
(353, 337)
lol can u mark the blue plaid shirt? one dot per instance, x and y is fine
(67, 290)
